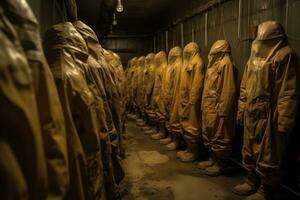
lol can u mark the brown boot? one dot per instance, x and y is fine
(215, 170)
(259, 195)
(219, 167)
(205, 164)
(139, 120)
(150, 132)
(172, 146)
(158, 136)
(146, 128)
(189, 155)
(249, 187)
(166, 140)
(174, 143)
(265, 192)
(142, 123)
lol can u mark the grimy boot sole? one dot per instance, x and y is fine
(165, 141)
(172, 146)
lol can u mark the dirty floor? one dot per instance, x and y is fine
(153, 173)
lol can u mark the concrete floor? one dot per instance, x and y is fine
(152, 173)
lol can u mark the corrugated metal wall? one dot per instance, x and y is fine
(235, 21)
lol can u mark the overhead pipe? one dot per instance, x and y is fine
(181, 35)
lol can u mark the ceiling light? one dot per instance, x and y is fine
(119, 6)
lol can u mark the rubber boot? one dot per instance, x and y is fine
(150, 132)
(206, 163)
(190, 154)
(139, 120)
(130, 116)
(141, 123)
(158, 136)
(166, 140)
(146, 128)
(265, 192)
(250, 186)
(135, 116)
(216, 170)
(174, 144)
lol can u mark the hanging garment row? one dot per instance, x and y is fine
(195, 112)
(62, 110)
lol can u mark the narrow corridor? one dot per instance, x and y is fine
(152, 173)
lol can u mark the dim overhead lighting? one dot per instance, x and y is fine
(114, 19)
(119, 6)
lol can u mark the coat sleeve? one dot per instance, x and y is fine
(288, 96)
(197, 84)
(227, 96)
(243, 96)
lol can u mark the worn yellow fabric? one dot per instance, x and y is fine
(148, 80)
(219, 101)
(14, 185)
(66, 53)
(49, 107)
(130, 73)
(172, 81)
(134, 82)
(116, 100)
(190, 91)
(101, 74)
(156, 103)
(140, 81)
(21, 143)
(269, 100)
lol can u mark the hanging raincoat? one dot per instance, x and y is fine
(190, 92)
(219, 101)
(156, 104)
(113, 172)
(148, 79)
(171, 80)
(49, 107)
(269, 100)
(140, 81)
(22, 164)
(66, 53)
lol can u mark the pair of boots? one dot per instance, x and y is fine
(214, 166)
(256, 190)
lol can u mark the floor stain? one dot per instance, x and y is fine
(153, 173)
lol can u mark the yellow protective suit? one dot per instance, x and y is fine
(148, 82)
(157, 104)
(49, 107)
(113, 172)
(134, 82)
(66, 53)
(140, 81)
(269, 100)
(129, 84)
(171, 81)
(22, 164)
(219, 101)
(190, 92)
